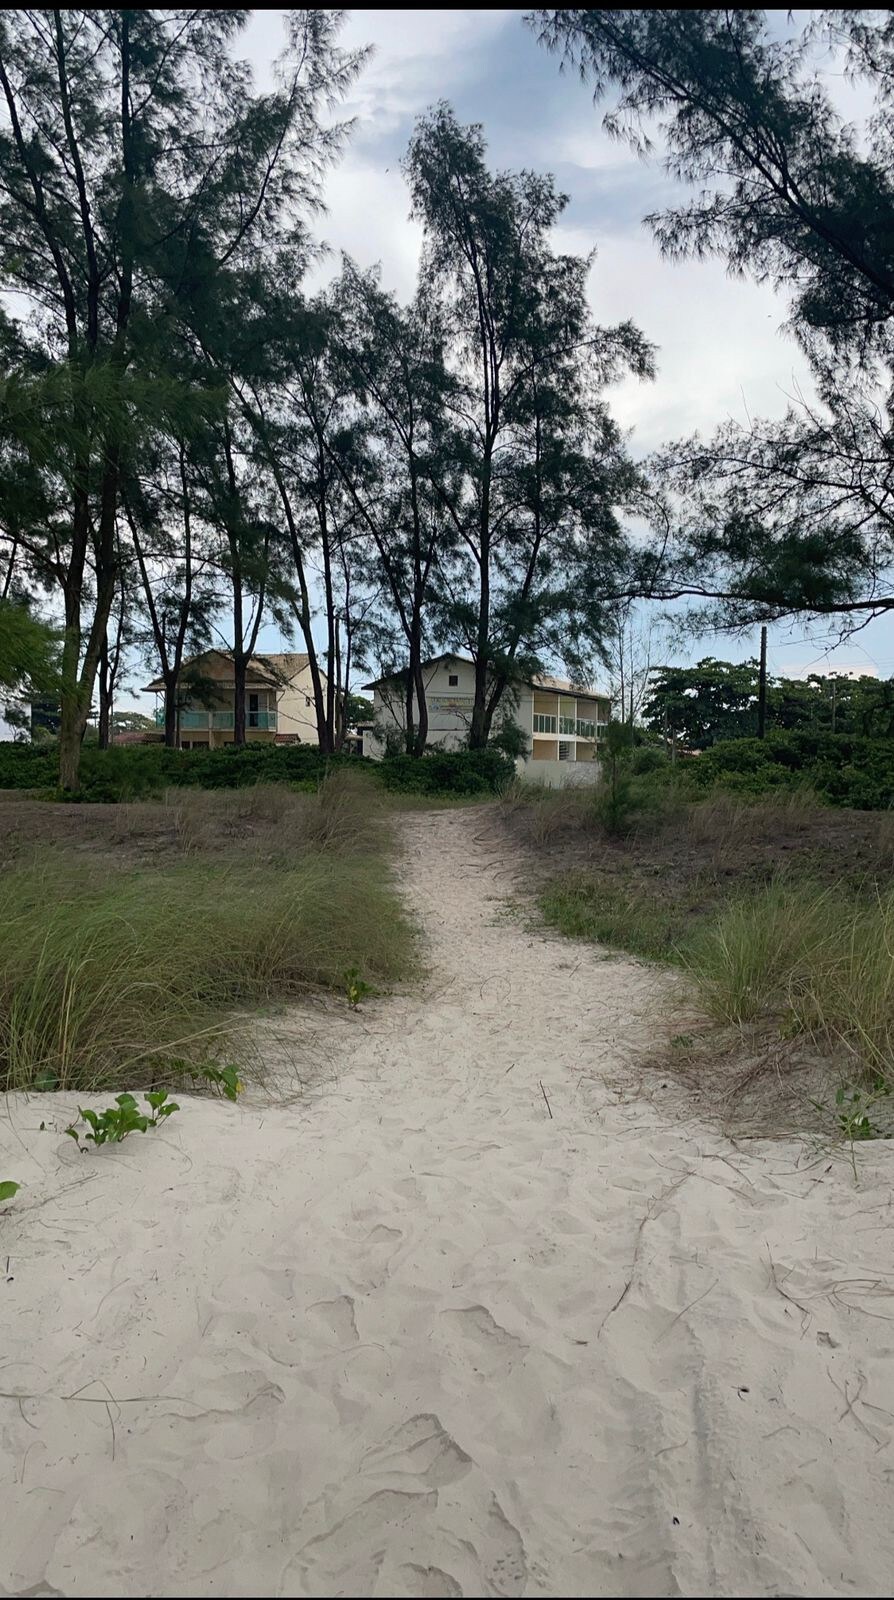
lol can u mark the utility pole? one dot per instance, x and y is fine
(762, 688)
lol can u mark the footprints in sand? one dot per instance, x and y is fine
(338, 1316)
(495, 1351)
(419, 1449)
(485, 1363)
(382, 1527)
(425, 1581)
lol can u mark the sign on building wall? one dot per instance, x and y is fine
(458, 705)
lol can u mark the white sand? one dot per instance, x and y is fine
(412, 1336)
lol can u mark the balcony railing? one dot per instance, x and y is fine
(224, 721)
(582, 727)
(220, 721)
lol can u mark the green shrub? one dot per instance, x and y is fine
(27, 766)
(648, 758)
(842, 769)
(139, 772)
(449, 772)
(613, 800)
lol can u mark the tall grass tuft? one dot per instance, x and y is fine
(106, 976)
(821, 961)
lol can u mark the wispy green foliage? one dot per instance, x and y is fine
(29, 651)
(791, 515)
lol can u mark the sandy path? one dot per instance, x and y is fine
(414, 1336)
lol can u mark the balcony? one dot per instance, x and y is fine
(219, 721)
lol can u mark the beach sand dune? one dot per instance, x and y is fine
(468, 1318)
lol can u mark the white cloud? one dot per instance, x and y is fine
(368, 217)
(720, 354)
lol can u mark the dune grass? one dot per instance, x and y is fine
(817, 960)
(807, 960)
(111, 972)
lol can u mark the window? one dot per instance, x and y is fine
(586, 729)
(544, 724)
(453, 680)
(253, 707)
(568, 725)
(566, 750)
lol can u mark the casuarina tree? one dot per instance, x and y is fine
(137, 164)
(794, 515)
(538, 469)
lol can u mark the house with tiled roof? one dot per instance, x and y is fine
(279, 702)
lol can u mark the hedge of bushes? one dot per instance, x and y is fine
(843, 769)
(137, 772)
(448, 772)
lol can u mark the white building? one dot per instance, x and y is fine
(563, 722)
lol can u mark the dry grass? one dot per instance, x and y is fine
(345, 813)
(542, 816)
(267, 820)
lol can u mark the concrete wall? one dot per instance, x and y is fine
(559, 774)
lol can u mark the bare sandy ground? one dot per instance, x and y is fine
(415, 1335)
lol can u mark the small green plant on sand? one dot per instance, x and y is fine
(225, 1079)
(7, 1189)
(356, 988)
(124, 1117)
(852, 1115)
(853, 1112)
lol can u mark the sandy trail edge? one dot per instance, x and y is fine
(414, 1336)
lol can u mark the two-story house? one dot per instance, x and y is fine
(279, 702)
(563, 722)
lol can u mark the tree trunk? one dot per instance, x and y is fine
(480, 721)
(421, 739)
(71, 733)
(239, 670)
(416, 745)
(105, 697)
(171, 713)
(409, 716)
(331, 620)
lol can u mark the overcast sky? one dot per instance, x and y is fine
(721, 353)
